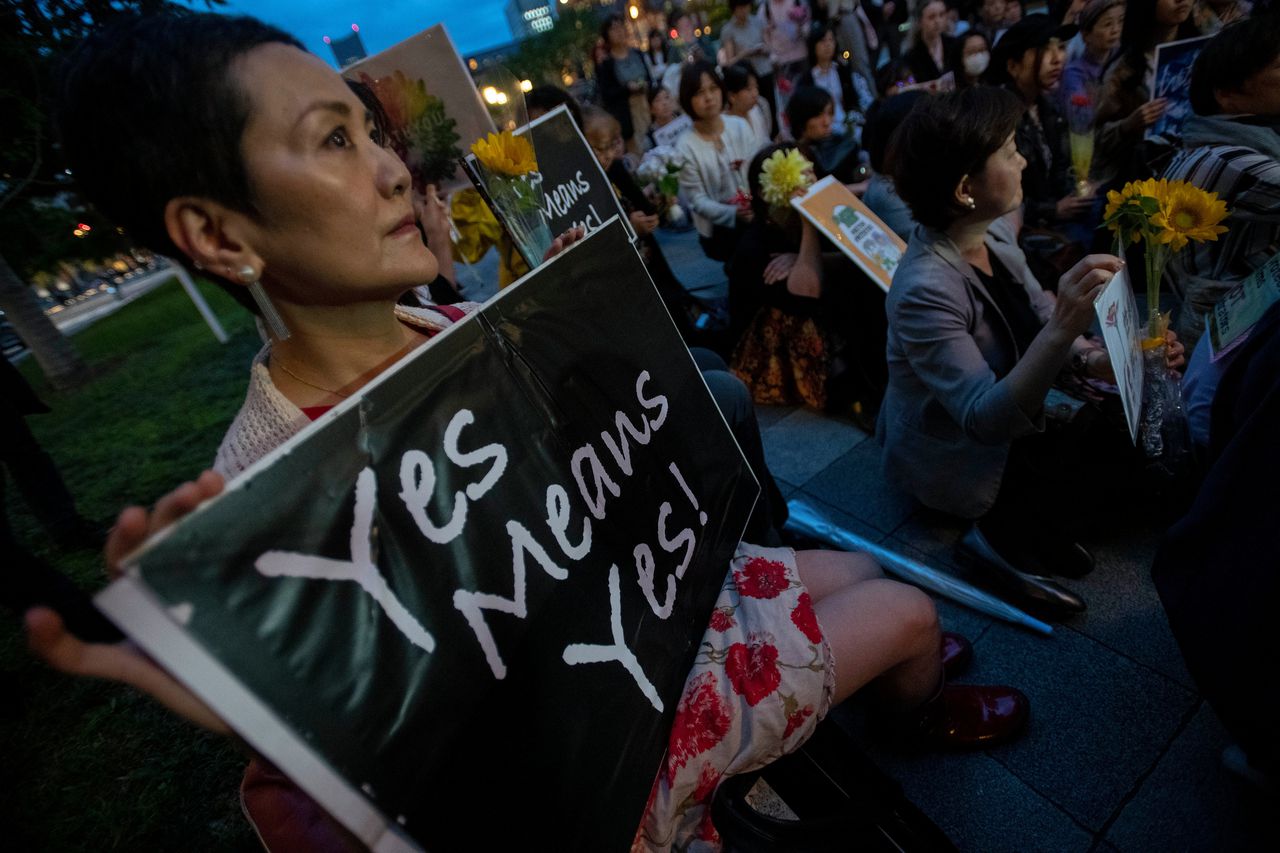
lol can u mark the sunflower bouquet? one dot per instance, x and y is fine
(509, 172)
(1165, 216)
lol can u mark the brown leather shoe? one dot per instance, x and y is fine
(971, 716)
(957, 654)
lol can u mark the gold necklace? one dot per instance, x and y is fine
(333, 391)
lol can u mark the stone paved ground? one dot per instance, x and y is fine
(1122, 754)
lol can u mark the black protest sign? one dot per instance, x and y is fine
(462, 605)
(576, 192)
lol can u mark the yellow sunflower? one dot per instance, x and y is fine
(782, 174)
(1189, 213)
(505, 154)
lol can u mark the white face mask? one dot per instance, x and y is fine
(976, 63)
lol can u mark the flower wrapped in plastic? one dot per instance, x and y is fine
(508, 169)
(1165, 215)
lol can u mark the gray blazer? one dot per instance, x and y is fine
(947, 422)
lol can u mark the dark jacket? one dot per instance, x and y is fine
(616, 97)
(1216, 568)
(922, 66)
(1047, 178)
(848, 96)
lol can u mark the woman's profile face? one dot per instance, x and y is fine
(825, 48)
(1106, 31)
(933, 20)
(744, 99)
(819, 127)
(1170, 13)
(334, 218)
(708, 101)
(997, 189)
(1052, 60)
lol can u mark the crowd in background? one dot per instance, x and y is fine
(990, 312)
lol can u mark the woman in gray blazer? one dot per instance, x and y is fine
(974, 344)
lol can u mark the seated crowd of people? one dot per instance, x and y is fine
(957, 137)
(988, 139)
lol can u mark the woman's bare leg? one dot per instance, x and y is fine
(877, 628)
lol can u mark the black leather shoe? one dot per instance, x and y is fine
(975, 553)
(1065, 558)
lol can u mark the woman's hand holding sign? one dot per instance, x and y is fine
(123, 662)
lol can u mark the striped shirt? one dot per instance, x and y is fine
(1249, 182)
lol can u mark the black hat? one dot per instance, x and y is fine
(1033, 31)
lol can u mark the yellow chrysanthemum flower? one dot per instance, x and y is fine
(1189, 213)
(505, 154)
(782, 174)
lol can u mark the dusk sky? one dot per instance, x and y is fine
(472, 24)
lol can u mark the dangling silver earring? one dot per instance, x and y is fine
(270, 316)
(970, 203)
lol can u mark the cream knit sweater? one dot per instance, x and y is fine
(268, 419)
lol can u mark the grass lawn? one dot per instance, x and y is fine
(92, 766)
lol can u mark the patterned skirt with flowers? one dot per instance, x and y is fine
(762, 680)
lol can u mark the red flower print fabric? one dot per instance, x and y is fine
(805, 619)
(762, 578)
(753, 669)
(762, 681)
(702, 720)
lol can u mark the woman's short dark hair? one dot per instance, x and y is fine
(148, 110)
(691, 82)
(733, 4)
(807, 102)
(737, 77)
(816, 34)
(969, 126)
(883, 119)
(1235, 54)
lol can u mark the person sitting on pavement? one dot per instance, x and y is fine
(1231, 147)
(974, 346)
(811, 118)
(1028, 62)
(248, 178)
(715, 151)
(809, 325)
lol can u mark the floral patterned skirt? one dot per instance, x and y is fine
(784, 359)
(763, 679)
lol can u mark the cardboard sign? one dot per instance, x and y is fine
(575, 189)
(1230, 321)
(1173, 81)
(850, 224)
(1118, 313)
(432, 105)
(463, 603)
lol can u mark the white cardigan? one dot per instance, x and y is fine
(712, 176)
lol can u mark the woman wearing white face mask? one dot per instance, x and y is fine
(969, 59)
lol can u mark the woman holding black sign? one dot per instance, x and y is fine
(290, 202)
